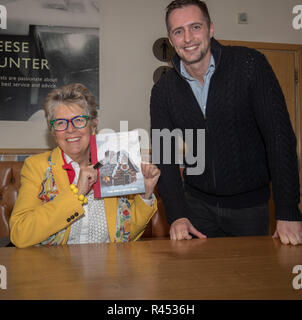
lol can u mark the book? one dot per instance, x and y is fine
(118, 159)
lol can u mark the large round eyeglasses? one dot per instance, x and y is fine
(78, 122)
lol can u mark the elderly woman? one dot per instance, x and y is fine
(56, 204)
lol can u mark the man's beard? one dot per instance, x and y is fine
(201, 56)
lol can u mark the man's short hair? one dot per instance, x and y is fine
(176, 4)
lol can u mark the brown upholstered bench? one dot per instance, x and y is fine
(10, 183)
(9, 186)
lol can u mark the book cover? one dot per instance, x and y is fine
(119, 172)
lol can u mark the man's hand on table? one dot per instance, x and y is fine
(181, 228)
(289, 232)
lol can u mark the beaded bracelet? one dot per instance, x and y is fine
(81, 197)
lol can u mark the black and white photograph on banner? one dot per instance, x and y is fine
(47, 44)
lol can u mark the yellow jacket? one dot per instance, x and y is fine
(33, 221)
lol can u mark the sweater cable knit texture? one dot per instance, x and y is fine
(249, 140)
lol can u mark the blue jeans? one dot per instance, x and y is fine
(225, 222)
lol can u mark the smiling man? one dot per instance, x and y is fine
(190, 33)
(233, 94)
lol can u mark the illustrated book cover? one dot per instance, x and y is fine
(119, 169)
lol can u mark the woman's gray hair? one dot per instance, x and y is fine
(74, 93)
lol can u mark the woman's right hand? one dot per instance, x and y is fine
(87, 178)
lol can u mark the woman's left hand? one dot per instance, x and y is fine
(151, 174)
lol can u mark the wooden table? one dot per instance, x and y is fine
(221, 268)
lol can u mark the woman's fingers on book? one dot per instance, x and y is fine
(150, 170)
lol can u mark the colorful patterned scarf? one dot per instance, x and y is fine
(47, 193)
(123, 220)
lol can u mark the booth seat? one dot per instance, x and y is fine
(10, 184)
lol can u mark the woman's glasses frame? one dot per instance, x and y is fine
(67, 121)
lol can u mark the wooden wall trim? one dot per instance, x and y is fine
(21, 151)
(262, 45)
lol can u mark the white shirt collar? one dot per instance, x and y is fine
(75, 167)
(67, 158)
